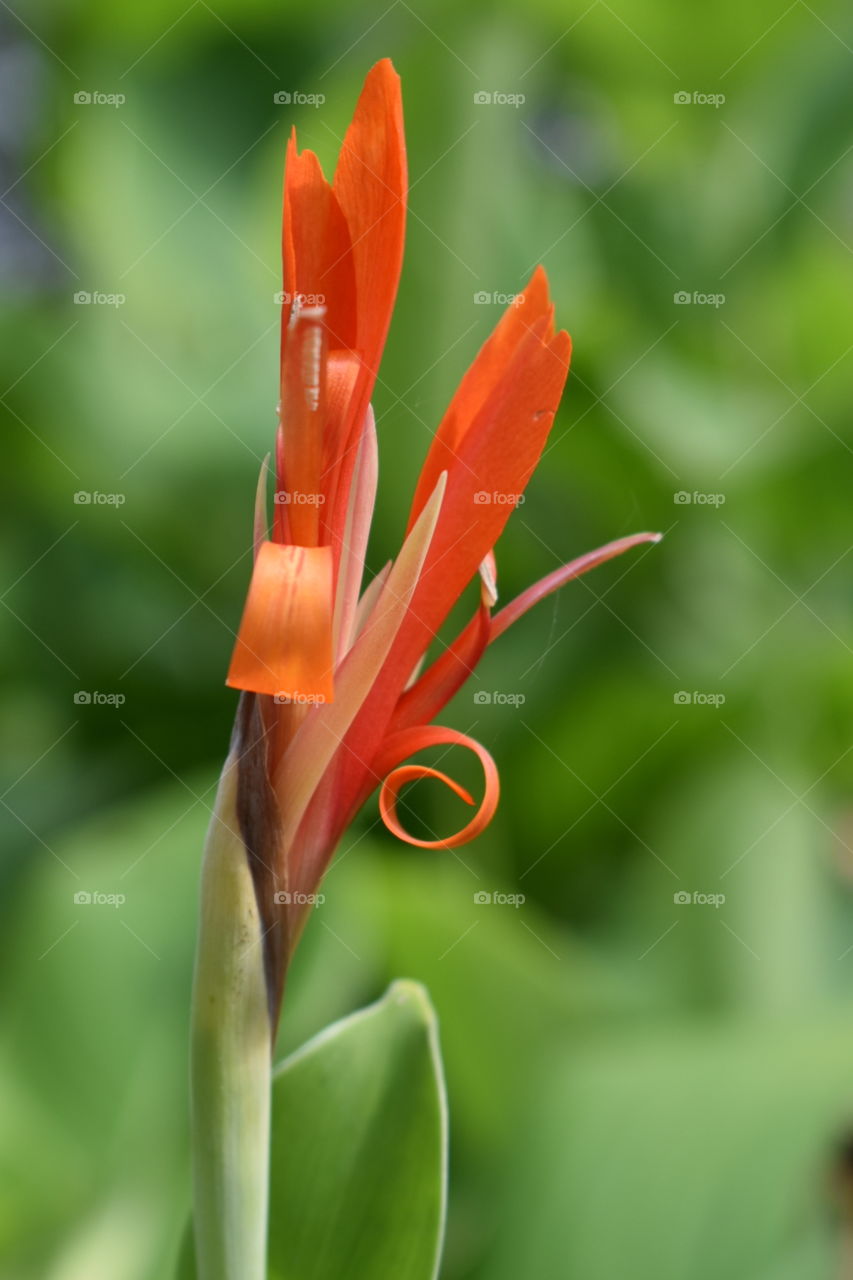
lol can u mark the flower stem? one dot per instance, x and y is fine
(231, 1059)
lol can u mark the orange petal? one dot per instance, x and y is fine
(370, 186)
(426, 695)
(303, 418)
(487, 369)
(496, 459)
(344, 243)
(491, 456)
(342, 375)
(316, 248)
(319, 737)
(496, 456)
(341, 445)
(356, 533)
(544, 587)
(284, 646)
(404, 744)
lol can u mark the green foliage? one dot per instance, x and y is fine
(359, 1149)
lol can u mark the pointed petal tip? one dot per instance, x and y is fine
(384, 67)
(553, 581)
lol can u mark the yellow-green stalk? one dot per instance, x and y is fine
(231, 1058)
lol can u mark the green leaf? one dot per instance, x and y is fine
(359, 1149)
(699, 1152)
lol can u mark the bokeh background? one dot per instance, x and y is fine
(639, 1085)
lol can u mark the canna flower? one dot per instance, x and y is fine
(338, 690)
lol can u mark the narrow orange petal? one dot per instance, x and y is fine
(320, 736)
(284, 646)
(487, 369)
(368, 600)
(370, 186)
(404, 744)
(341, 445)
(428, 693)
(355, 535)
(261, 524)
(303, 418)
(496, 458)
(316, 248)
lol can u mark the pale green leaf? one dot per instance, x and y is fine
(359, 1146)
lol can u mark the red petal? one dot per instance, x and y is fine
(445, 677)
(284, 646)
(425, 697)
(544, 587)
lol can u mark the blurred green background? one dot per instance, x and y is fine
(639, 1085)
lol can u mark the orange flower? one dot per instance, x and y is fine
(331, 705)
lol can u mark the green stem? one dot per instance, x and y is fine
(231, 1059)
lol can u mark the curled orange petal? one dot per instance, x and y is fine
(403, 744)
